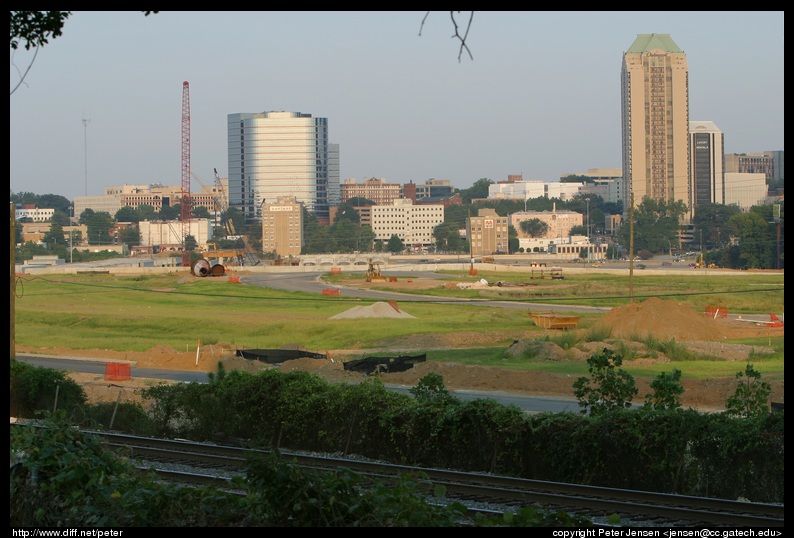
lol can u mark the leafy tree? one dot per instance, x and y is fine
(667, 391)
(201, 212)
(395, 244)
(534, 227)
(128, 214)
(54, 236)
(99, 225)
(751, 394)
(130, 236)
(478, 190)
(756, 251)
(712, 220)
(579, 229)
(512, 239)
(656, 225)
(347, 212)
(320, 241)
(608, 387)
(146, 212)
(344, 233)
(359, 201)
(447, 237)
(190, 243)
(431, 389)
(170, 212)
(573, 178)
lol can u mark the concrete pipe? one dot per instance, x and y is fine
(218, 270)
(201, 267)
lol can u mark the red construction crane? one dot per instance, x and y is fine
(186, 209)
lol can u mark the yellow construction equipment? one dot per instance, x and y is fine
(373, 272)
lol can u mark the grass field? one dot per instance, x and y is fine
(137, 313)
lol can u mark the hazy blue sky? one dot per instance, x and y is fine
(540, 98)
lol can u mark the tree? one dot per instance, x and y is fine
(751, 395)
(359, 201)
(395, 244)
(579, 229)
(54, 236)
(712, 220)
(447, 237)
(656, 225)
(130, 236)
(534, 227)
(608, 387)
(201, 212)
(170, 212)
(756, 251)
(190, 243)
(347, 212)
(667, 391)
(99, 225)
(478, 190)
(128, 214)
(146, 212)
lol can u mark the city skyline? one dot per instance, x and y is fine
(540, 98)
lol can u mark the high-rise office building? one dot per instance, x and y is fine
(655, 122)
(708, 171)
(274, 154)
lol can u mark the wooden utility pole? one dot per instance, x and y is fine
(12, 242)
(631, 250)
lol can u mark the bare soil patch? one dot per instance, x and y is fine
(664, 320)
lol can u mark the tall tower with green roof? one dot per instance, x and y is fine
(655, 122)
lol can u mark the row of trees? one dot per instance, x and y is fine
(733, 239)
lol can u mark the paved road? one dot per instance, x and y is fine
(312, 283)
(530, 404)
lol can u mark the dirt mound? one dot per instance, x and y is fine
(668, 320)
(376, 310)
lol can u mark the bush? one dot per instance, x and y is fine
(34, 390)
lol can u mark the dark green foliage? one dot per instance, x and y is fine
(128, 417)
(430, 389)
(608, 387)
(667, 391)
(34, 389)
(734, 457)
(751, 394)
(288, 497)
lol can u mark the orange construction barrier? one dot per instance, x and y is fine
(716, 311)
(116, 371)
(332, 291)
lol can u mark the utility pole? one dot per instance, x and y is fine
(13, 279)
(85, 150)
(631, 250)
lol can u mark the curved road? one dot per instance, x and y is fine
(312, 283)
(530, 404)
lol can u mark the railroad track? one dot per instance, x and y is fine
(211, 464)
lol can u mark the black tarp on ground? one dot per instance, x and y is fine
(370, 365)
(275, 356)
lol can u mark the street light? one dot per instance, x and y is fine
(71, 231)
(587, 200)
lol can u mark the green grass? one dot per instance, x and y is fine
(740, 293)
(137, 313)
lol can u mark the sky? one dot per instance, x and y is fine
(101, 105)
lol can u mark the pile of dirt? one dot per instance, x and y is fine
(376, 310)
(659, 318)
(669, 320)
